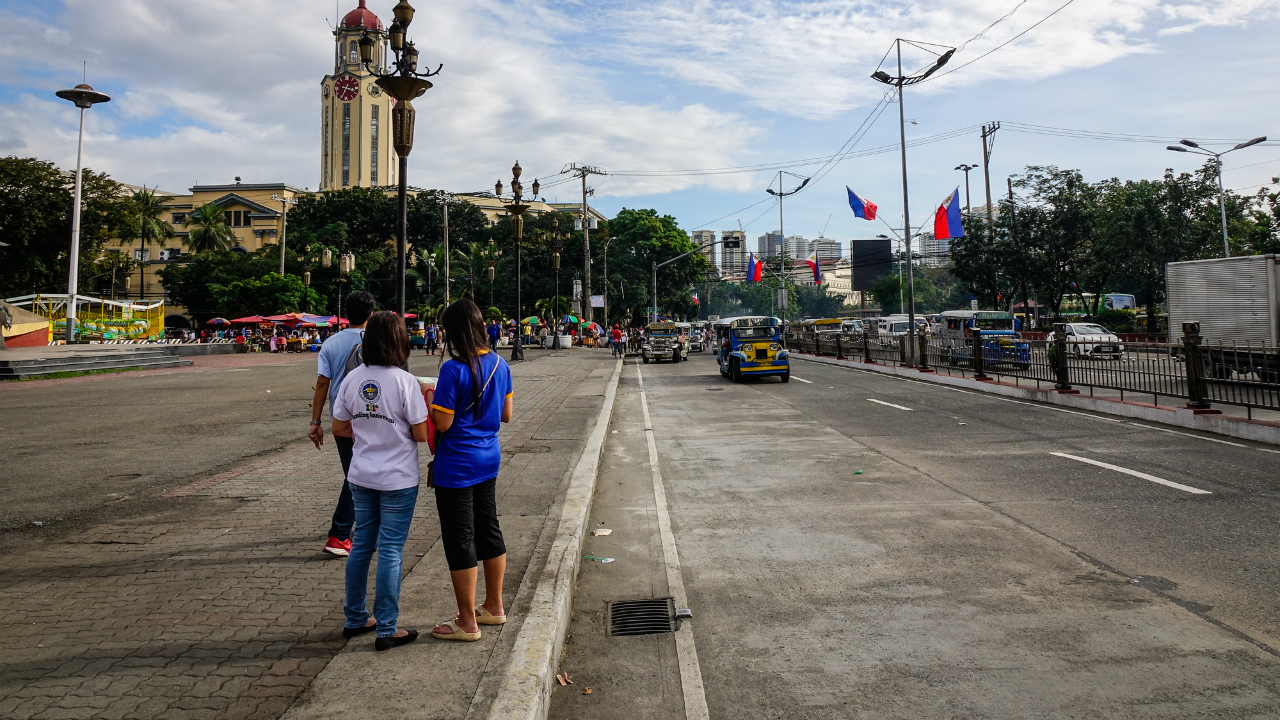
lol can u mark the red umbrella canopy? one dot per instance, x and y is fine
(250, 319)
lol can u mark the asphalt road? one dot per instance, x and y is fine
(858, 545)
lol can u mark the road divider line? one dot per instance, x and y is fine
(1135, 473)
(888, 404)
(807, 382)
(695, 699)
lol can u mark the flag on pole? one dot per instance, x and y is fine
(864, 209)
(755, 268)
(695, 299)
(812, 262)
(946, 221)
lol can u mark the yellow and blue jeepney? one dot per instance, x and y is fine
(750, 346)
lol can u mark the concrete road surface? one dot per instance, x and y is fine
(854, 545)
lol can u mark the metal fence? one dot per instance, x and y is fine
(1202, 374)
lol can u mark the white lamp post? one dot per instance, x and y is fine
(84, 98)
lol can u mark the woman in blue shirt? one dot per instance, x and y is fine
(472, 400)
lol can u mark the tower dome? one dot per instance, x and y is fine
(362, 17)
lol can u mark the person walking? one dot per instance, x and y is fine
(494, 331)
(381, 408)
(431, 339)
(615, 340)
(472, 399)
(332, 367)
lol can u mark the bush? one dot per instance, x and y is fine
(1117, 321)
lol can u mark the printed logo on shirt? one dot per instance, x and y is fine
(370, 391)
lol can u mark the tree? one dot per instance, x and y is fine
(269, 295)
(208, 229)
(35, 222)
(641, 237)
(146, 226)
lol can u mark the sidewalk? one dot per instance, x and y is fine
(234, 612)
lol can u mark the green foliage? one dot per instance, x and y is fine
(728, 299)
(191, 285)
(35, 221)
(269, 295)
(1120, 321)
(208, 231)
(640, 238)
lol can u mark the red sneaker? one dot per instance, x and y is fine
(341, 548)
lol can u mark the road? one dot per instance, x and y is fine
(859, 545)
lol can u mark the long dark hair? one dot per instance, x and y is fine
(464, 339)
(386, 342)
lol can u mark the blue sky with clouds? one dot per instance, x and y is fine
(209, 90)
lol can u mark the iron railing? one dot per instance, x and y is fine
(1203, 374)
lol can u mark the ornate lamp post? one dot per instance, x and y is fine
(403, 84)
(84, 98)
(556, 246)
(517, 210)
(285, 202)
(491, 259)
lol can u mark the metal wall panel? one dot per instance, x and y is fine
(1233, 299)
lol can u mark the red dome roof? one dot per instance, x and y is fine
(362, 17)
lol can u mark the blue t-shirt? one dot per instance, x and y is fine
(468, 452)
(333, 358)
(493, 332)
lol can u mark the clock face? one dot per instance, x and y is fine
(346, 87)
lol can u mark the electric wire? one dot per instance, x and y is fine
(1001, 45)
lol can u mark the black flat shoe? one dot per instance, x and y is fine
(386, 643)
(349, 633)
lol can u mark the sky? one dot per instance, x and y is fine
(649, 91)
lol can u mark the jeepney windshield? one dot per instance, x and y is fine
(751, 333)
(992, 321)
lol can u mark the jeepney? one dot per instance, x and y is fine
(750, 346)
(992, 328)
(665, 341)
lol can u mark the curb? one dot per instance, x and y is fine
(525, 692)
(1256, 430)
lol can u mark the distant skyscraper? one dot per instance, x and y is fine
(826, 248)
(733, 261)
(705, 238)
(772, 244)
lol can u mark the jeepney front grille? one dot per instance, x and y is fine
(762, 353)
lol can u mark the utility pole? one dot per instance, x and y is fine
(445, 198)
(965, 167)
(988, 138)
(782, 235)
(582, 172)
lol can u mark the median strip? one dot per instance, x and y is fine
(888, 404)
(1135, 473)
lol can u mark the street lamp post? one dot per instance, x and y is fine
(1217, 159)
(285, 202)
(966, 168)
(491, 260)
(556, 247)
(84, 98)
(404, 84)
(898, 82)
(517, 210)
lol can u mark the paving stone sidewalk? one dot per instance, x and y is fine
(233, 614)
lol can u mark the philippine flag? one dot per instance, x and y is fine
(812, 262)
(695, 299)
(755, 268)
(864, 209)
(946, 222)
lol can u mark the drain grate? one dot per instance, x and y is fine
(641, 617)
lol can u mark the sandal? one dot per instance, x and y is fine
(457, 634)
(484, 617)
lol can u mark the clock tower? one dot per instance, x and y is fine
(355, 114)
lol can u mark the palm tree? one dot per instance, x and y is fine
(150, 229)
(471, 262)
(209, 231)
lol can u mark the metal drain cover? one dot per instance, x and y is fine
(641, 617)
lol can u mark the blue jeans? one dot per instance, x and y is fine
(382, 524)
(344, 515)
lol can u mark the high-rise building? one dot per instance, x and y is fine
(936, 252)
(826, 248)
(733, 261)
(772, 244)
(705, 238)
(355, 114)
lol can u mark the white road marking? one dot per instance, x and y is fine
(1135, 473)
(810, 382)
(888, 404)
(695, 699)
(1175, 432)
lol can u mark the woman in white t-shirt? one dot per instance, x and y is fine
(383, 408)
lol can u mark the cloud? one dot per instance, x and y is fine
(210, 90)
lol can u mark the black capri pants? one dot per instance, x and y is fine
(469, 524)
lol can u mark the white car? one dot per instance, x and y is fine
(695, 341)
(1092, 340)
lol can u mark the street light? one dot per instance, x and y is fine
(966, 168)
(491, 260)
(556, 246)
(84, 98)
(898, 82)
(285, 202)
(517, 210)
(1217, 158)
(403, 84)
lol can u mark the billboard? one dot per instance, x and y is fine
(870, 260)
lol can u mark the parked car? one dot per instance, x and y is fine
(1093, 340)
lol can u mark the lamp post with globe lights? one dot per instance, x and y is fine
(84, 98)
(557, 244)
(491, 260)
(285, 202)
(517, 210)
(404, 84)
(1194, 147)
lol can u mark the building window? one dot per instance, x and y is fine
(178, 218)
(346, 144)
(328, 139)
(373, 151)
(353, 53)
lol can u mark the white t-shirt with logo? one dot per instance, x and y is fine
(382, 403)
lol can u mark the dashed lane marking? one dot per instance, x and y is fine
(808, 382)
(888, 404)
(1134, 473)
